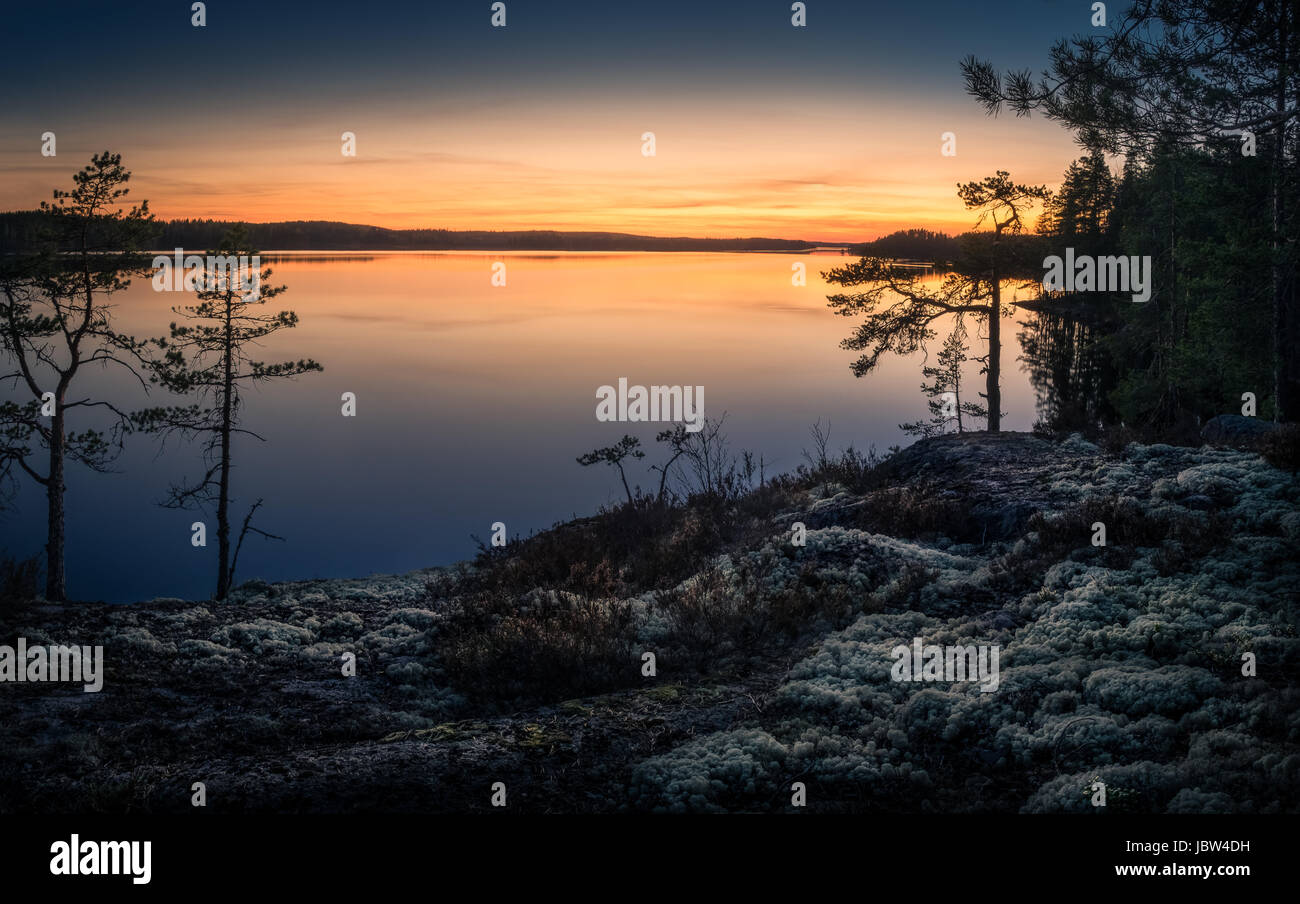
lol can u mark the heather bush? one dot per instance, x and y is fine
(552, 646)
(1281, 448)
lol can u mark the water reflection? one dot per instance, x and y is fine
(473, 402)
(1071, 372)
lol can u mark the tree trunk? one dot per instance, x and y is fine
(56, 590)
(623, 477)
(995, 348)
(223, 517)
(956, 394)
(223, 491)
(663, 476)
(1283, 379)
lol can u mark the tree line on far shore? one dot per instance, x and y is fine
(21, 230)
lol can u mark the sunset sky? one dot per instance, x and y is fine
(826, 132)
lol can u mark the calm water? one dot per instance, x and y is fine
(473, 402)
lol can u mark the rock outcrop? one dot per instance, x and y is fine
(1164, 662)
(1236, 431)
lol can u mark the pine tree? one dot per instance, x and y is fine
(55, 324)
(1176, 75)
(209, 359)
(945, 404)
(975, 287)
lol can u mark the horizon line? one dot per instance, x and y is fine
(524, 232)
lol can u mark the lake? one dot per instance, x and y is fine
(473, 402)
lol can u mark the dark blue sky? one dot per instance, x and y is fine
(91, 55)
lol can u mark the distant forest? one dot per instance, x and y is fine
(911, 244)
(21, 230)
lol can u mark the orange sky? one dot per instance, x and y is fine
(776, 167)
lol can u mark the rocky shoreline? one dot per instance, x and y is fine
(1119, 663)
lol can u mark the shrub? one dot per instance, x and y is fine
(552, 646)
(343, 625)
(610, 553)
(913, 512)
(1180, 537)
(750, 611)
(707, 614)
(1281, 448)
(858, 471)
